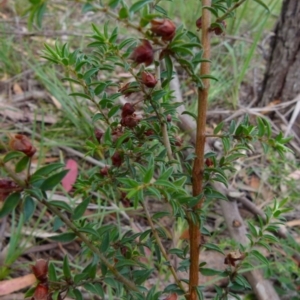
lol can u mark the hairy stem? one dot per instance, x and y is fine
(198, 168)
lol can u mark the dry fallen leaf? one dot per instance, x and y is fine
(9, 286)
(71, 176)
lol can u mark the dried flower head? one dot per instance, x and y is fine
(21, 143)
(127, 110)
(104, 171)
(199, 23)
(98, 134)
(164, 28)
(143, 53)
(41, 292)
(219, 28)
(149, 80)
(232, 257)
(40, 270)
(130, 121)
(117, 159)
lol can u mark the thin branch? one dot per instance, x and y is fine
(161, 247)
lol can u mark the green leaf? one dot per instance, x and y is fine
(46, 170)
(260, 2)
(53, 180)
(88, 74)
(40, 14)
(207, 76)
(22, 164)
(81, 208)
(52, 272)
(213, 247)
(64, 237)
(209, 272)
(194, 116)
(161, 10)
(113, 110)
(80, 95)
(123, 14)
(113, 3)
(11, 155)
(100, 291)
(61, 204)
(78, 295)
(66, 268)
(105, 243)
(29, 208)
(149, 174)
(166, 183)
(169, 66)
(218, 128)
(139, 5)
(126, 42)
(259, 257)
(10, 203)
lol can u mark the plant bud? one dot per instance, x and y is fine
(178, 141)
(199, 23)
(219, 29)
(104, 171)
(21, 143)
(130, 121)
(127, 110)
(143, 53)
(164, 28)
(209, 162)
(41, 292)
(98, 134)
(149, 80)
(117, 159)
(40, 270)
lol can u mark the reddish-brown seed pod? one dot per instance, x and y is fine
(149, 132)
(41, 292)
(199, 23)
(127, 110)
(209, 162)
(40, 270)
(219, 30)
(98, 134)
(7, 186)
(178, 141)
(117, 159)
(148, 80)
(164, 28)
(143, 53)
(21, 143)
(169, 118)
(104, 171)
(130, 121)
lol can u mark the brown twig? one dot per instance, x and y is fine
(161, 247)
(198, 168)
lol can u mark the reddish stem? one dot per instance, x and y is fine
(198, 168)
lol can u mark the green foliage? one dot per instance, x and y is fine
(143, 159)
